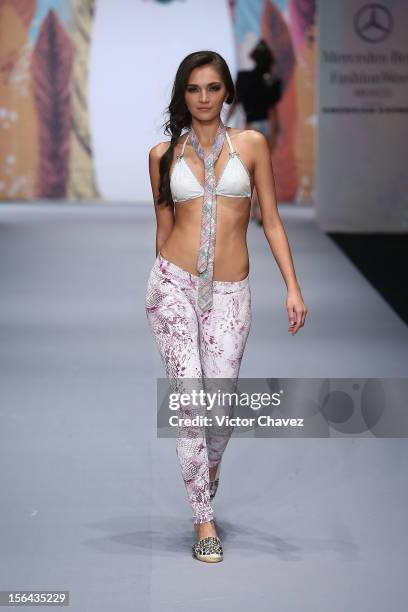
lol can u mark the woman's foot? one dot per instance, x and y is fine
(208, 549)
(208, 545)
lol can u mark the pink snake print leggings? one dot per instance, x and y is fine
(193, 345)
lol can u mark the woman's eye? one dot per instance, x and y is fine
(213, 88)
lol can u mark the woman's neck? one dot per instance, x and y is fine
(206, 130)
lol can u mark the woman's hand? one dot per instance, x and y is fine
(297, 310)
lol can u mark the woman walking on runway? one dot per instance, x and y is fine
(198, 298)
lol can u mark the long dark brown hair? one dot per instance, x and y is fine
(180, 116)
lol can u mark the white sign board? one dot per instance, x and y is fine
(362, 105)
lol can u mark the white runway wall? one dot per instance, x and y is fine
(136, 49)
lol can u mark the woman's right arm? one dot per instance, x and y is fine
(164, 214)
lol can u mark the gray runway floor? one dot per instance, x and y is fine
(92, 502)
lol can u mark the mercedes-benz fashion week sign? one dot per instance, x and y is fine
(362, 110)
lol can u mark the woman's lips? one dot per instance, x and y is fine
(204, 108)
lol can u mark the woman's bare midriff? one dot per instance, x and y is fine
(231, 261)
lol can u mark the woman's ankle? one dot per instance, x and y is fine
(212, 471)
(206, 529)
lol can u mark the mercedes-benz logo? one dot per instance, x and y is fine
(373, 22)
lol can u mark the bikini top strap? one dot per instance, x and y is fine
(184, 143)
(229, 141)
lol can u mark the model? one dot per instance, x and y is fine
(198, 298)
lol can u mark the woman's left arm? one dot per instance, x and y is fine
(274, 230)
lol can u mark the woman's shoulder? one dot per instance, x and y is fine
(246, 138)
(160, 149)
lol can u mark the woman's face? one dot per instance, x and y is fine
(205, 93)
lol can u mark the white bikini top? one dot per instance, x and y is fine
(234, 182)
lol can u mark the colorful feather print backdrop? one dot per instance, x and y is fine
(45, 145)
(288, 27)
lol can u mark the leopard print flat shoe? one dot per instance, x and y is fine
(208, 549)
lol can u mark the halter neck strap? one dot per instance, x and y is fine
(229, 141)
(184, 143)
